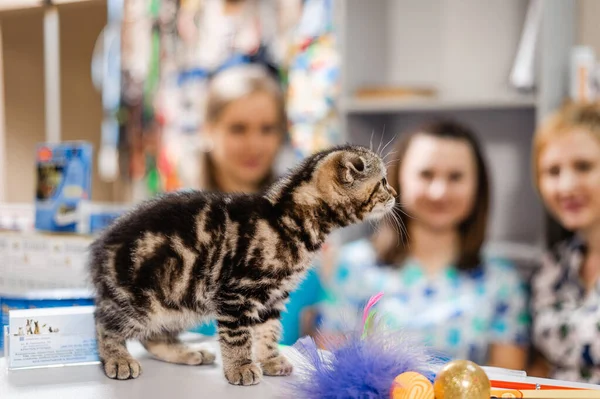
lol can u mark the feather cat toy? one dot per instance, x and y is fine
(363, 364)
(184, 257)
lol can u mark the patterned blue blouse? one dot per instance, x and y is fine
(566, 316)
(458, 313)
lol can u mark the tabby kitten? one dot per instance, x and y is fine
(188, 256)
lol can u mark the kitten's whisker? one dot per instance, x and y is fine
(380, 141)
(393, 226)
(408, 215)
(403, 229)
(399, 207)
(371, 140)
(389, 142)
(400, 230)
(382, 136)
(391, 163)
(376, 227)
(388, 223)
(400, 227)
(389, 153)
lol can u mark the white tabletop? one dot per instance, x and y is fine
(159, 380)
(164, 380)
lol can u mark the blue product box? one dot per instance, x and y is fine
(64, 181)
(99, 222)
(95, 217)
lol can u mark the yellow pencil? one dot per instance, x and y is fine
(546, 394)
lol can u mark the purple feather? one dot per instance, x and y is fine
(359, 368)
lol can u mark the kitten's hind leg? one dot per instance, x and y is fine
(116, 359)
(167, 347)
(266, 337)
(235, 338)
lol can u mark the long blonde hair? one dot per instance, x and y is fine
(226, 87)
(570, 117)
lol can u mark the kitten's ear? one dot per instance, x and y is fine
(352, 166)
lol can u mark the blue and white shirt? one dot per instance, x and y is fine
(458, 313)
(566, 316)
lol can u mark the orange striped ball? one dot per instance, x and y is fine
(412, 385)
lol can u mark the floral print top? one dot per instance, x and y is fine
(566, 316)
(458, 313)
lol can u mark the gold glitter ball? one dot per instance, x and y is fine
(461, 379)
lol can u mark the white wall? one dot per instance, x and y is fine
(589, 24)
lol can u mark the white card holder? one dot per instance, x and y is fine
(50, 337)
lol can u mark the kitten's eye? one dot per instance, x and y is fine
(384, 182)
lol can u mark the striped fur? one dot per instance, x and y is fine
(188, 256)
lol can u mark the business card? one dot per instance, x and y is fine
(51, 337)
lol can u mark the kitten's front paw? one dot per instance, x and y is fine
(248, 374)
(122, 368)
(277, 366)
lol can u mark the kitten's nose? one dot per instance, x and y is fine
(394, 193)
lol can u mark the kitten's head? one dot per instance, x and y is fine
(355, 177)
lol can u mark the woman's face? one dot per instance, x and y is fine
(569, 179)
(246, 136)
(438, 181)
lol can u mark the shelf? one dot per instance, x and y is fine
(392, 105)
(15, 5)
(19, 5)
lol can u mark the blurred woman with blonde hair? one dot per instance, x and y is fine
(566, 289)
(245, 123)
